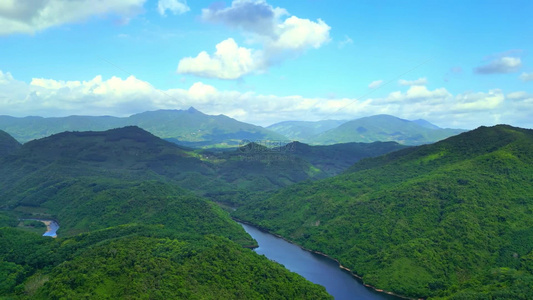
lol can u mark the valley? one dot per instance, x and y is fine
(266, 149)
(397, 216)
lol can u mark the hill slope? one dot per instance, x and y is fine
(132, 261)
(188, 127)
(7, 144)
(450, 219)
(384, 128)
(127, 229)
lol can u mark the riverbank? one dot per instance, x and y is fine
(354, 275)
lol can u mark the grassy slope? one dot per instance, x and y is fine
(425, 221)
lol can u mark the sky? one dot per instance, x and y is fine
(455, 63)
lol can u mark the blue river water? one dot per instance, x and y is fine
(314, 267)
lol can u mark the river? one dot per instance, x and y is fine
(51, 227)
(314, 267)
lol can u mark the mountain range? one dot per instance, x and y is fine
(127, 228)
(131, 152)
(384, 128)
(193, 128)
(450, 219)
(188, 127)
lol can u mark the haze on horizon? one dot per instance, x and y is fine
(455, 64)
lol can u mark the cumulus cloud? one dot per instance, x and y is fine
(30, 16)
(419, 81)
(177, 7)
(228, 62)
(278, 35)
(500, 65)
(375, 84)
(478, 101)
(253, 16)
(417, 93)
(526, 76)
(125, 96)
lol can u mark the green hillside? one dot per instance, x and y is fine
(335, 159)
(7, 144)
(187, 127)
(141, 262)
(384, 128)
(303, 131)
(131, 153)
(453, 219)
(127, 230)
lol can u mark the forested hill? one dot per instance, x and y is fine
(451, 219)
(7, 143)
(337, 158)
(126, 227)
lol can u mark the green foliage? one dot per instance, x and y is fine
(8, 219)
(132, 261)
(127, 229)
(423, 221)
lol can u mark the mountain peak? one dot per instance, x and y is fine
(193, 110)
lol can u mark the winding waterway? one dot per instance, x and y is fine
(314, 267)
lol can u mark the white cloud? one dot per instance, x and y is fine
(262, 24)
(177, 7)
(419, 81)
(229, 62)
(30, 16)
(375, 84)
(526, 76)
(478, 101)
(121, 97)
(500, 65)
(518, 95)
(347, 41)
(300, 34)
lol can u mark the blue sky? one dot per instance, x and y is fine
(457, 63)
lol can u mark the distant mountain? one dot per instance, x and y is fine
(334, 159)
(450, 219)
(191, 126)
(188, 127)
(426, 124)
(302, 131)
(7, 143)
(384, 128)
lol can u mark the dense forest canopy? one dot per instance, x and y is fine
(449, 219)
